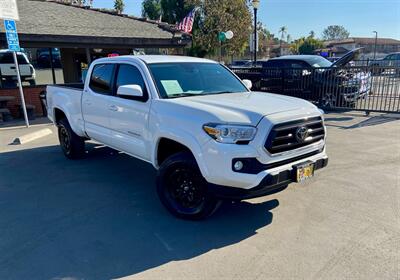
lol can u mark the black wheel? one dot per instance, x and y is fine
(183, 190)
(72, 145)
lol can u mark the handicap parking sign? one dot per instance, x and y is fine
(12, 35)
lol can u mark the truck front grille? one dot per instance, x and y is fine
(295, 134)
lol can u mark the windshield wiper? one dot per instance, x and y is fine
(220, 92)
(181, 95)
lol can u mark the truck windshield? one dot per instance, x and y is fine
(190, 79)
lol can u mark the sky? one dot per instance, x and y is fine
(359, 17)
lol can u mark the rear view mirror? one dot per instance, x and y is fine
(130, 90)
(247, 83)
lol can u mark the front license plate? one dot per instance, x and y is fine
(304, 172)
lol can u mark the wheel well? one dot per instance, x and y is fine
(58, 115)
(168, 147)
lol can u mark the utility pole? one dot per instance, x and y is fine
(376, 42)
(255, 4)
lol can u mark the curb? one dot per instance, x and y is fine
(32, 136)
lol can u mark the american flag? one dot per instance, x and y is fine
(186, 25)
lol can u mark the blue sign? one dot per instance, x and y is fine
(12, 35)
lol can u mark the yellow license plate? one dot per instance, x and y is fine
(305, 172)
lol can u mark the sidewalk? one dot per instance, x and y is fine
(20, 123)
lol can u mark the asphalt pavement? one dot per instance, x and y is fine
(100, 218)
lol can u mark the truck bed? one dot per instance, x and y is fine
(66, 98)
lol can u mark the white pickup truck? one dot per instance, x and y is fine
(197, 123)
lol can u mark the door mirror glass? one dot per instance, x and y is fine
(130, 91)
(248, 83)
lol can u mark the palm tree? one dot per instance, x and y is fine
(282, 31)
(119, 6)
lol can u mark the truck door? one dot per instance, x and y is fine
(129, 116)
(96, 103)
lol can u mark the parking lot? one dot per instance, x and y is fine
(100, 218)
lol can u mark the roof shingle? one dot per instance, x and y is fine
(51, 18)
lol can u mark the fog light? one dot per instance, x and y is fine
(238, 165)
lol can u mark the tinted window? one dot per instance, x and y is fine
(296, 64)
(101, 78)
(7, 58)
(130, 75)
(273, 63)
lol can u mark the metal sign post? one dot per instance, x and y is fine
(13, 45)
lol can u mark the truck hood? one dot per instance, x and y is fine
(347, 57)
(244, 107)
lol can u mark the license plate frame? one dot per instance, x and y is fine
(304, 171)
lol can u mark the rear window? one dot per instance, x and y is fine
(100, 81)
(7, 58)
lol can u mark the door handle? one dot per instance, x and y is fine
(113, 108)
(87, 102)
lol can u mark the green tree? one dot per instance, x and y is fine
(221, 15)
(119, 6)
(265, 37)
(335, 32)
(151, 9)
(173, 11)
(283, 32)
(170, 11)
(311, 34)
(305, 45)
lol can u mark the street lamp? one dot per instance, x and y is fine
(255, 4)
(376, 42)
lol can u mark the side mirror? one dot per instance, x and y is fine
(247, 83)
(130, 90)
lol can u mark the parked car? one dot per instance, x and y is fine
(43, 58)
(391, 61)
(8, 72)
(314, 78)
(207, 134)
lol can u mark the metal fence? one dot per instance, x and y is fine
(362, 88)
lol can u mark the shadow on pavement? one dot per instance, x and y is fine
(100, 218)
(367, 121)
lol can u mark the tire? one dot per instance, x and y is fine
(72, 145)
(183, 190)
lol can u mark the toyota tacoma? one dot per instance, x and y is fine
(208, 135)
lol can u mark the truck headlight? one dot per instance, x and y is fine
(230, 134)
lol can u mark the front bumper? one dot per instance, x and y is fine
(269, 184)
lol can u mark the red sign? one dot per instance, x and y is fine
(113, 54)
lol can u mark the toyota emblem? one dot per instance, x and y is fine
(301, 134)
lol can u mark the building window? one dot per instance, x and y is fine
(38, 66)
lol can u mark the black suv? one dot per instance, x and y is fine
(312, 77)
